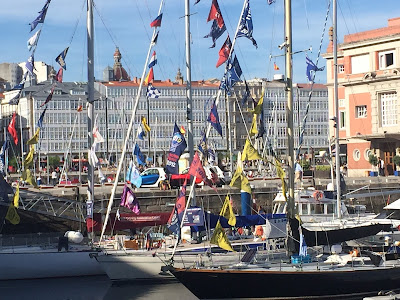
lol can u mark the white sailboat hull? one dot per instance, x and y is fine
(35, 263)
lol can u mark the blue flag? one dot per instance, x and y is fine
(141, 133)
(203, 144)
(261, 128)
(311, 69)
(133, 175)
(42, 15)
(246, 94)
(213, 118)
(21, 85)
(40, 121)
(215, 32)
(139, 155)
(232, 75)
(152, 92)
(246, 25)
(61, 58)
(3, 158)
(178, 145)
(5, 189)
(30, 64)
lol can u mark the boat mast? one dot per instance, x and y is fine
(90, 107)
(336, 101)
(289, 91)
(189, 101)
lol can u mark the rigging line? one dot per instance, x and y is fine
(352, 16)
(305, 8)
(77, 22)
(272, 39)
(113, 40)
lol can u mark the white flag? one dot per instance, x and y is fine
(33, 40)
(97, 138)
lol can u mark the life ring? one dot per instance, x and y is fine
(318, 195)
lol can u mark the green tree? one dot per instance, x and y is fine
(373, 160)
(54, 161)
(396, 160)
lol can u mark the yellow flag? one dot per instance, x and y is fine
(28, 178)
(219, 238)
(35, 139)
(249, 152)
(281, 174)
(240, 181)
(12, 215)
(253, 129)
(145, 125)
(16, 196)
(227, 212)
(257, 110)
(29, 158)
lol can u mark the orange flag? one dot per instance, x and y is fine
(276, 67)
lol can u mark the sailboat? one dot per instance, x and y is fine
(351, 276)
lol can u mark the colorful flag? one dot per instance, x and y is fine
(40, 18)
(61, 58)
(12, 215)
(213, 118)
(253, 129)
(28, 161)
(80, 108)
(16, 196)
(224, 52)
(15, 100)
(234, 71)
(133, 175)
(128, 199)
(146, 127)
(215, 32)
(59, 76)
(215, 14)
(28, 178)
(227, 212)
(312, 69)
(141, 133)
(32, 42)
(270, 1)
(139, 155)
(35, 138)
(249, 152)
(157, 21)
(178, 145)
(182, 129)
(30, 64)
(153, 60)
(3, 150)
(276, 67)
(240, 181)
(150, 77)
(40, 121)
(246, 94)
(174, 221)
(259, 107)
(154, 41)
(246, 25)
(49, 97)
(97, 137)
(21, 85)
(196, 169)
(152, 92)
(203, 145)
(11, 129)
(219, 238)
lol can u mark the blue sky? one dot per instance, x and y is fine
(125, 24)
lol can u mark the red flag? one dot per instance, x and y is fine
(196, 169)
(180, 203)
(215, 14)
(156, 22)
(49, 97)
(224, 52)
(276, 67)
(59, 76)
(12, 130)
(150, 77)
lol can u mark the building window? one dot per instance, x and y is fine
(342, 120)
(356, 154)
(340, 69)
(367, 153)
(361, 111)
(341, 102)
(386, 59)
(389, 109)
(360, 64)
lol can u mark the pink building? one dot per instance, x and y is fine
(369, 106)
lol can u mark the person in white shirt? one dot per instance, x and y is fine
(54, 177)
